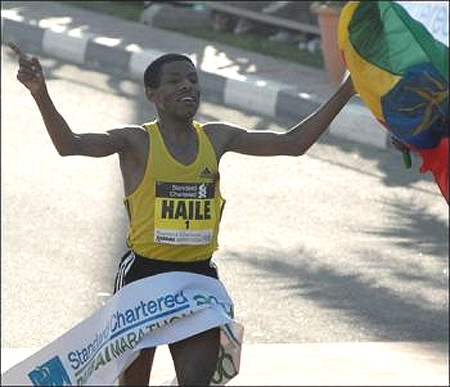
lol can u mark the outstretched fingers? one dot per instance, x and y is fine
(15, 48)
(29, 68)
(25, 60)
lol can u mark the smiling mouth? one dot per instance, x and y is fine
(188, 100)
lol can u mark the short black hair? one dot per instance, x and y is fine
(152, 73)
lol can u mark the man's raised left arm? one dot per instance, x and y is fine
(295, 141)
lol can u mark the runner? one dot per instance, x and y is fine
(170, 170)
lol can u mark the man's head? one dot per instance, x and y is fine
(171, 83)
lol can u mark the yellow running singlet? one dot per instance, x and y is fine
(176, 209)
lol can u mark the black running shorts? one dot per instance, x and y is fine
(134, 267)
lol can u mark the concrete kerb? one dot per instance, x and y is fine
(252, 93)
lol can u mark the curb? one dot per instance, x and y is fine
(254, 94)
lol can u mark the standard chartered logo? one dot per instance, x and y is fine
(202, 191)
(124, 331)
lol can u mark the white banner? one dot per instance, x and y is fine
(153, 311)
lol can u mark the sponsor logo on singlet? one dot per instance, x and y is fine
(184, 213)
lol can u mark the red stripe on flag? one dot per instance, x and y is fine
(436, 161)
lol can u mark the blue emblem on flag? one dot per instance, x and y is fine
(416, 108)
(51, 373)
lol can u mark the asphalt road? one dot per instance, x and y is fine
(342, 244)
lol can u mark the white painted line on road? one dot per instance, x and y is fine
(256, 95)
(65, 46)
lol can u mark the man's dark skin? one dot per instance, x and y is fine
(194, 358)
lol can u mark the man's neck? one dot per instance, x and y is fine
(175, 129)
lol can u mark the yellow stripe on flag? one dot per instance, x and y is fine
(370, 82)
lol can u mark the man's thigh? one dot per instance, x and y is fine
(138, 373)
(195, 358)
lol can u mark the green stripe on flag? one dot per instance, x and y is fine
(436, 51)
(385, 35)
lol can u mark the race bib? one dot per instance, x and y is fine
(185, 213)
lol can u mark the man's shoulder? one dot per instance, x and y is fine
(220, 125)
(131, 137)
(129, 128)
(220, 134)
(213, 125)
(129, 131)
(215, 130)
(221, 129)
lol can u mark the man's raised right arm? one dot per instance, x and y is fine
(65, 141)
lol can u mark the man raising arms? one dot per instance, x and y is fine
(170, 170)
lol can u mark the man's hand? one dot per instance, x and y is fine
(30, 71)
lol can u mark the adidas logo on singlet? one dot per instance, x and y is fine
(206, 173)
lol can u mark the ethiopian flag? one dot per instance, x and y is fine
(400, 72)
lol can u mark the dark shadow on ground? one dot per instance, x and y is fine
(389, 163)
(380, 309)
(415, 229)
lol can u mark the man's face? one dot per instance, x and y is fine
(178, 93)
